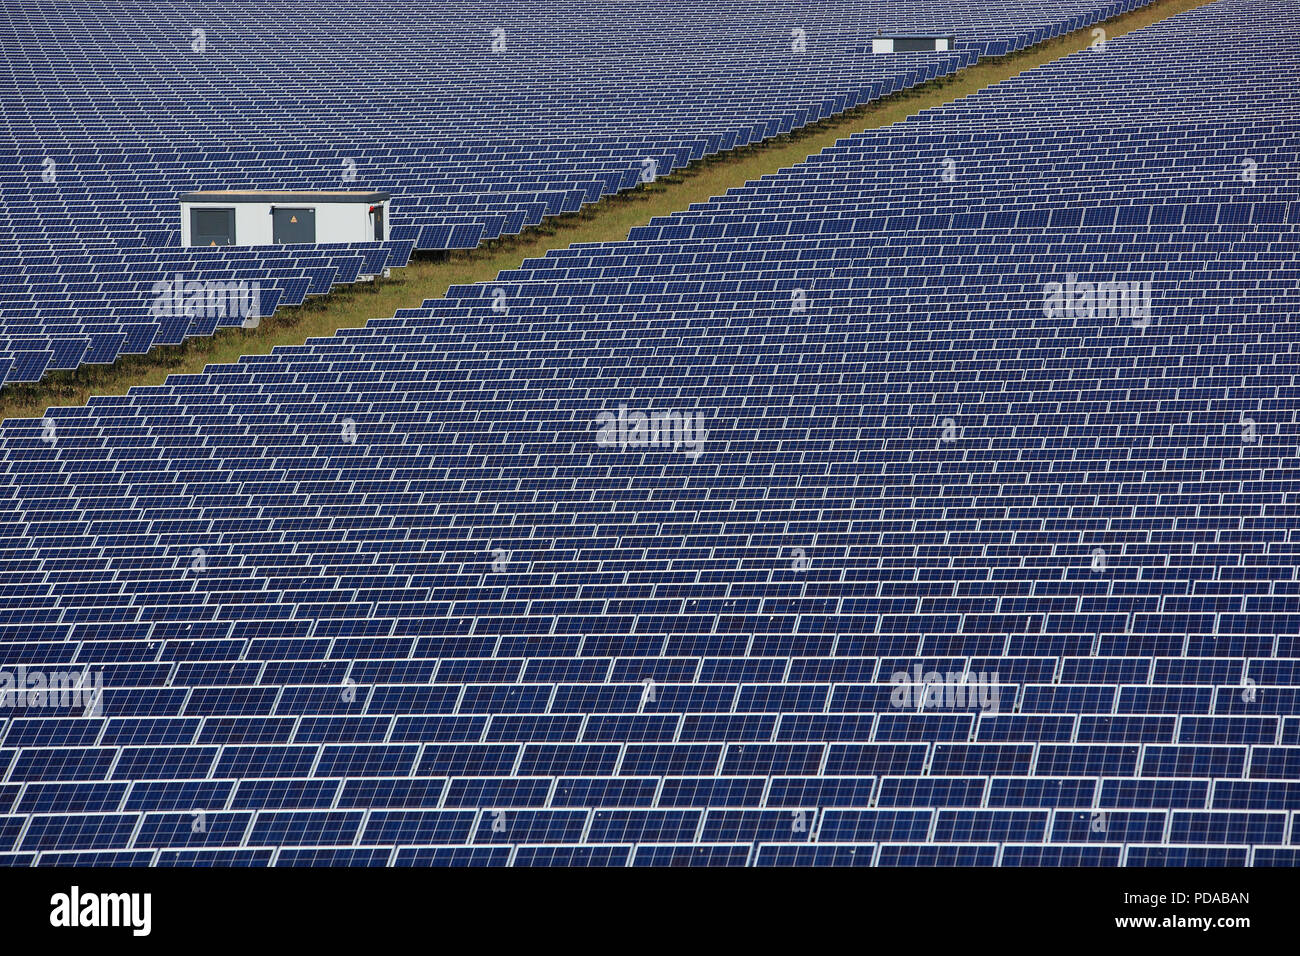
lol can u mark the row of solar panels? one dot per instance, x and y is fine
(130, 692)
(779, 734)
(261, 792)
(671, 855)
(391, 660)
(515, 825)
(553, 758)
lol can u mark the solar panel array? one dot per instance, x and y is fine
(480, 118)
(934, 561)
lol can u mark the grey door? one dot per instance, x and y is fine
(212, 227)
(377, 214)
(293, 225)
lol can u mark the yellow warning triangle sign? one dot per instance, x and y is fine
(293, 218)
(213, 242)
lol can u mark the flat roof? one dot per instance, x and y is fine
(281, 196)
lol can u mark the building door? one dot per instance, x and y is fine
(293, 225)
(212, 227)
(377, 214)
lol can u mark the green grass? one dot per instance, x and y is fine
(428, 277)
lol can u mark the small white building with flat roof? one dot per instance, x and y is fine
(234, 217)
(912, 43)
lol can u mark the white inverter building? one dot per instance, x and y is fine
(912, 43)
(271, 217)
